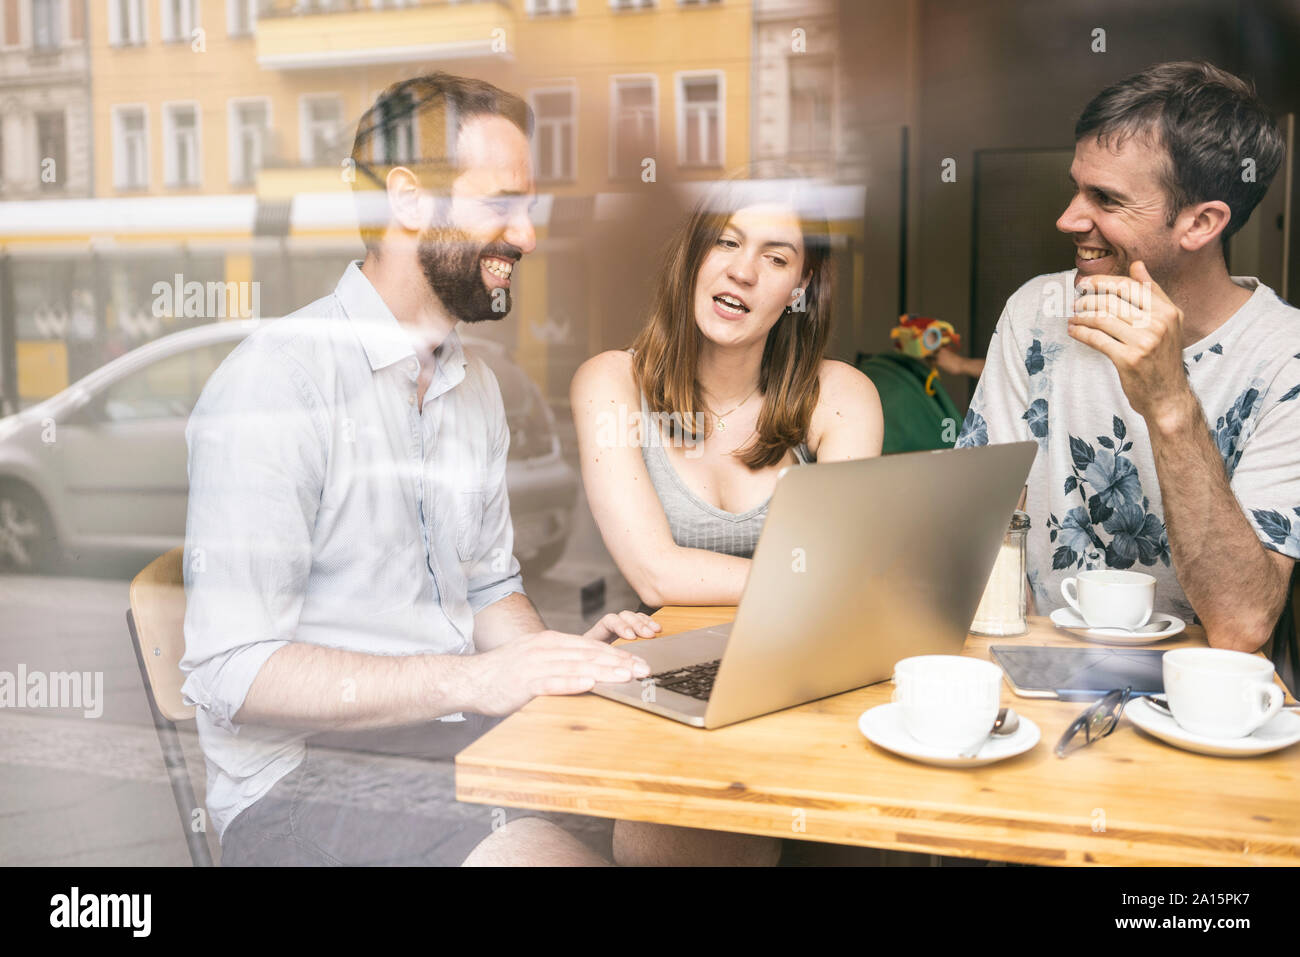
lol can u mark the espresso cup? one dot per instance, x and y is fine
(948, 701)
(1106, 598)
(1219, 693)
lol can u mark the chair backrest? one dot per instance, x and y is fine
(158, 606)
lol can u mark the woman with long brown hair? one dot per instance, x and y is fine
(682, 437)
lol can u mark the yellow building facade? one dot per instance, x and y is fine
(201, 98)
(352, 54)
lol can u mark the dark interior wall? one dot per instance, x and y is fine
(1007, 74)
(1014, 75)
(878, 62)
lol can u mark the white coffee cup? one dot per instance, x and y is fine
(1106, 598)
(1219, 693)
(948, 701)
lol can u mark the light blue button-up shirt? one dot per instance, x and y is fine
(327, 507)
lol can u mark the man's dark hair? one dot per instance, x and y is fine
(416, 123)
(1209, 122)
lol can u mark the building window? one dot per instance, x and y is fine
(130, 148)
(539, 8)
(699, 119)
(631, 4)
(51, 150)
(321, 121)
(181, 144)
(250, 124)
(126, 26)
(241, 17)
(395, 125)
(46, 26)
(179, 18)
(557, 116)
(812, 85)
(633, 124)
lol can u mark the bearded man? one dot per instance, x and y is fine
(348, 557)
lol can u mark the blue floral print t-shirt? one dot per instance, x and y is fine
(1094, 499)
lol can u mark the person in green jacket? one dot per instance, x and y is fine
(919, 413)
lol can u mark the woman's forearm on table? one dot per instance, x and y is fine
(687, 576)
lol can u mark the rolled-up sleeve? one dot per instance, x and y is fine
(256, 467)
(494, 573)
(1265, 474)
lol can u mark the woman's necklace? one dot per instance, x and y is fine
(719, 416)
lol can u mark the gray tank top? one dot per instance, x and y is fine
(694, 522)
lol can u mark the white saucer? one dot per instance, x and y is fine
(883, 727)
(1070, 620)
(1281, 731)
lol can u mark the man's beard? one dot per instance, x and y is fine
(452, 265)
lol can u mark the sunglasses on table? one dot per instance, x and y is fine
(1099, 720)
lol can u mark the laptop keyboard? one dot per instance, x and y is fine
(695, 681)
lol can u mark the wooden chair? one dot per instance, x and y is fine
(156, 620)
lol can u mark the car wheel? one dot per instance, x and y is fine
(27, 541)
(545, 559)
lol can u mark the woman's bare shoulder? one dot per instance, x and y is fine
(606, 375)
(845, 396)
(844, 386)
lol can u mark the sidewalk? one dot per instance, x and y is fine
(79, 791)
(87, 793)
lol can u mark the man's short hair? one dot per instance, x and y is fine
(1221, 143)
(416, 123)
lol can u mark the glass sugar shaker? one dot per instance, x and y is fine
(1001, 612)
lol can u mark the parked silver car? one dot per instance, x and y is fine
(98, 471)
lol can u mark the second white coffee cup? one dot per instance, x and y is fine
(1106, 598)
(1219, 693)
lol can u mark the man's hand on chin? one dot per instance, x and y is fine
(1131, 321)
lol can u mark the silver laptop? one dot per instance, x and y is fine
(859, 565)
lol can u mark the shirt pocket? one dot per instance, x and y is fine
(469, 522)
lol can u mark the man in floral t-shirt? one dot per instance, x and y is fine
(1163, 392)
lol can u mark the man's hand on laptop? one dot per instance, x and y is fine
(549, 662)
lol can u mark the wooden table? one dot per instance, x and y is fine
(807, 773)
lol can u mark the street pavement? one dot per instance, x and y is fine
(83, 791)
